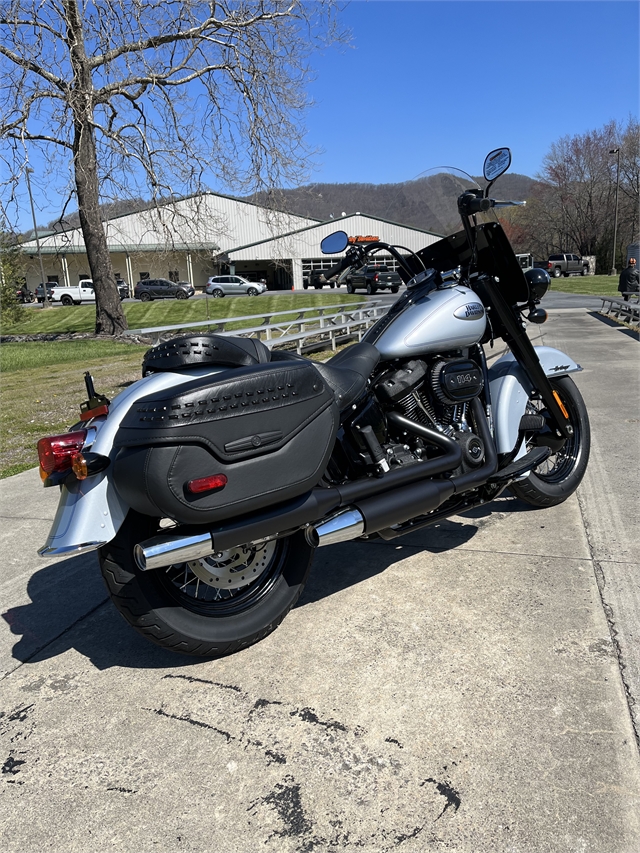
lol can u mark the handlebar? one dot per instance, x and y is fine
(352, 257)
(470, 203)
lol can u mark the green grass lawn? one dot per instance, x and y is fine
(43, 381)
(168, 312)
(43, 385)
(592, 285)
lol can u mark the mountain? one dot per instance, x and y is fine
(423, 203)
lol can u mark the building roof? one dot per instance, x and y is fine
(304, 242)
(207, 222)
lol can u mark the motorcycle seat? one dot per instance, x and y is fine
(348, 371)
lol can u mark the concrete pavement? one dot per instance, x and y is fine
(470, 687)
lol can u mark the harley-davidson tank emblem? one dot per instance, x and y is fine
(470, 311)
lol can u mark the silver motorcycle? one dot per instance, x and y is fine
(207, 485)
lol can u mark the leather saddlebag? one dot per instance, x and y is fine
(265, 432)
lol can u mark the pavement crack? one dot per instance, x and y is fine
(192, 722)
(601, 581)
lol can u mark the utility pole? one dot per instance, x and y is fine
(615, 221)
(45, 301)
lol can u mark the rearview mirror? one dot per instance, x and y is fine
(496, 163)
(334, 243)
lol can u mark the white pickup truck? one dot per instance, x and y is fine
(84, 292)
(74, 295)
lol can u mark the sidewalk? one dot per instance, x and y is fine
(465, 688)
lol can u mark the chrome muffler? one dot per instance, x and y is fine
(341, 527)
(166, 550)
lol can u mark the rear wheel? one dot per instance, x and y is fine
(394, 289)
(557, 272)
(145, 296)
(217, 294)
(66, 300)
(209, 607)
(559, 476)
(585, 270)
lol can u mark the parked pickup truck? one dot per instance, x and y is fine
(84, 292)
(373, 277)
(567, 265)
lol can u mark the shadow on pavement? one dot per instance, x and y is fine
(64, 594)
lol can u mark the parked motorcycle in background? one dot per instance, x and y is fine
(207, 485)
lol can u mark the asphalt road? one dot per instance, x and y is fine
(471, 687)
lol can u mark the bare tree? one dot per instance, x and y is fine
(159, 97)
(572, 207)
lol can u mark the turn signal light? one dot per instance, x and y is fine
(57, 451)
(207, 484)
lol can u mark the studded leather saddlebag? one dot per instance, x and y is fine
(263, 432)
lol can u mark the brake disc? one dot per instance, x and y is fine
(235, 567)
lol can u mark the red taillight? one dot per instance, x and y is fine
(376, 277)
(56, 452)
(207, 484)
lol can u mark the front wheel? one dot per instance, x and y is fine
(252, 292)
(559, 476)
(350, 288)
(209, 607)
(182, 294)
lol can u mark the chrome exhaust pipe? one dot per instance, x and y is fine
(165, 550)
(341, 527)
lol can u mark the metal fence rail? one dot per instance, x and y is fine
(306, 328)
(628, 312)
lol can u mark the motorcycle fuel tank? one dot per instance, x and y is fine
(445, 319)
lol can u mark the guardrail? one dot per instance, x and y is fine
(307, 328)
(628, 312)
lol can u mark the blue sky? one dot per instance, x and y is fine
(442, 83)
(428, 83)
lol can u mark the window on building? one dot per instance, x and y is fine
(144, 276)
(54, 278)
(174, 275)
(83, 275)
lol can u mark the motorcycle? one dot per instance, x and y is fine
(24, 295)
(207, 485)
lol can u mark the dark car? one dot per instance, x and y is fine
(40, 291)
(162, 288)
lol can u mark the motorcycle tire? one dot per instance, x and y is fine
(181, 611)
(561, 474)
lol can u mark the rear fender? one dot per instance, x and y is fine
(510, 388)
(90, 511)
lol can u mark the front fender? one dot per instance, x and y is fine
(510, 388)
(91, 511)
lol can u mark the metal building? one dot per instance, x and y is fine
(209, 234)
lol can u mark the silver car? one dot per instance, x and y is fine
(233, 285)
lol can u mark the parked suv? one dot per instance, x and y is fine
(565, 265)
(233, 285)
(162, 288)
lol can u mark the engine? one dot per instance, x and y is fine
(436, 394)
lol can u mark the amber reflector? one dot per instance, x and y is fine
(563, 408)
